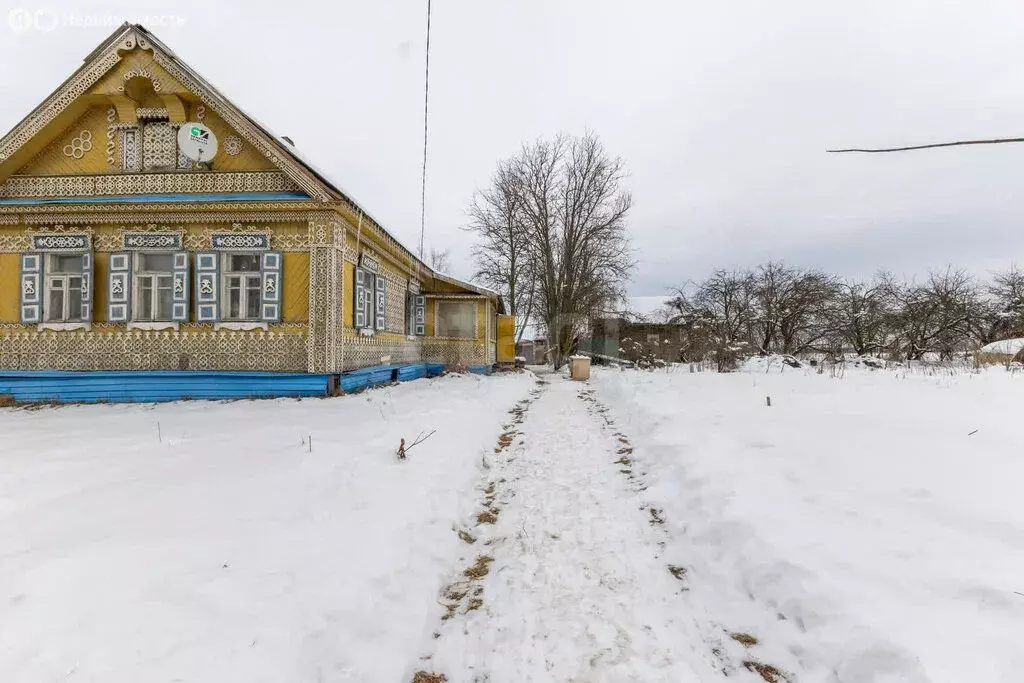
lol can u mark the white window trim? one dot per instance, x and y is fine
(241, 325)
(47, 278)
(154, 325)
(135, 263)
(65, 327)
(224, 304)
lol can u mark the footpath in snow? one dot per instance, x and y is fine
(565, 579)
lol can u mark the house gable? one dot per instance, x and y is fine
(119, 114)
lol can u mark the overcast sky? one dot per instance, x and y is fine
(721, 110)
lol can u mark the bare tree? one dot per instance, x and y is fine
(936, 316)
(858, 316)
(574, 211)
(789, 307)
(716, 317)
(440, 259)
(502, 255)
(1004, 307)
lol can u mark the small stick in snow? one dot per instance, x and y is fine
(768, 401)
(310, 443)
(972, 433)
(402, 449)
(1019, 593)
(159, 436)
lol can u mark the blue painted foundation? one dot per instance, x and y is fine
(154, 385)
(151, 386)
(383, 374)
(480, 369)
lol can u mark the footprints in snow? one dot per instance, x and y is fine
(466, 594)
(626, 464)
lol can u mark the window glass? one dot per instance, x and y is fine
(243, 297)
(74, 298)
(55, 311)
(144, 306)
(252, 297)
(66, 263)
(456, 319)
(234, 298)
(156, 263)
(244, 263)
(163, 297)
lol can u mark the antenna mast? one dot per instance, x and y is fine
(426, 103)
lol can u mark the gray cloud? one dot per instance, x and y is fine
(722, 111)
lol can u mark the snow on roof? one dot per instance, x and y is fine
(1007, 347)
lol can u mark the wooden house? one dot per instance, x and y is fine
(248, 273)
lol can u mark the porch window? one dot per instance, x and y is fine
(456, 319)
(154, 290)
(242, 290)
(64, 284)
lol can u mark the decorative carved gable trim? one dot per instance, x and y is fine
(102, 61)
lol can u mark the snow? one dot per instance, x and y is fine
(866, 528)
(1008, 347)
(577, 591)
(228, 551)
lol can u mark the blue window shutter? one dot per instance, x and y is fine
(207, 286)
(421, 315)
(359, 299)
(179, 301)
(381, 303)
(87, 273)
(31, 288)
(119, 287)
(271, 285)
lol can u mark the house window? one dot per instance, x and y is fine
(456, 319)
(63, 288)
(154, 289)
(242, 291)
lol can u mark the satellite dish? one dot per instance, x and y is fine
(197, 142)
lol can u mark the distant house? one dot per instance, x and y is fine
(620, 338)
(534, 351)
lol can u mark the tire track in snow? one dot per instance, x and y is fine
(575, 591)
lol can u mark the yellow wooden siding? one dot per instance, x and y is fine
(431, 309)
(506, 338)
(246, 160)
(53, 161)
(10, 273)
(295, 296)
(348, 295)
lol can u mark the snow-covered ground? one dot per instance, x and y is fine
(864, 528)
(224, 549)
(661, 527)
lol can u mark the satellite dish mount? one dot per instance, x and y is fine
(198, 143)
